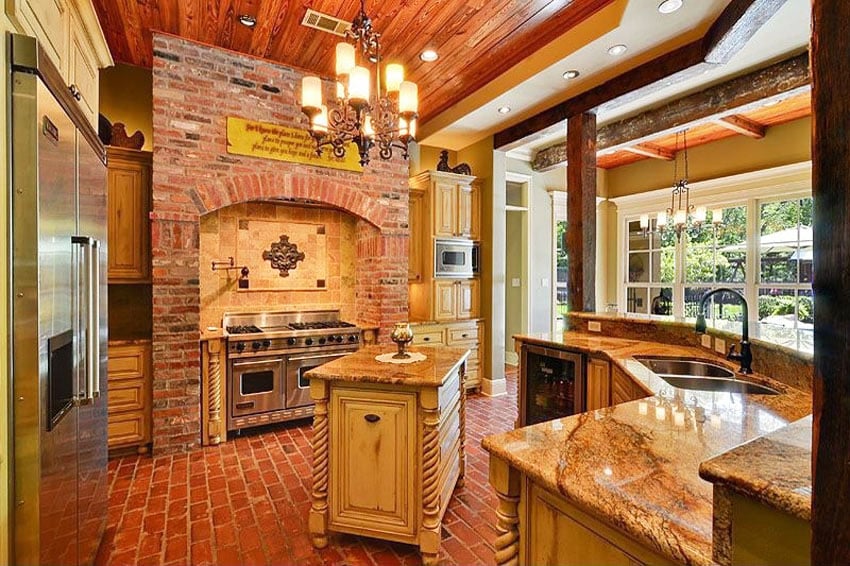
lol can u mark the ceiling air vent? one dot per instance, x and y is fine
(324, 22)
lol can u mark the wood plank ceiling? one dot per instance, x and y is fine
(792, 108)
(477, 40)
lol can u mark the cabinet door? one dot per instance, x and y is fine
(444, 210)
(445, 300)
(373, 460)
(464, 211)
(467, 298)
(475, 223)
(82, 72)
(623, 389)
(129, 234)
(48, 21)
(598, 384)
(418, 231)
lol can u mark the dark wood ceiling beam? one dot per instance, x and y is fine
(737, 96)
(742, 125)
(731, 31)
(651, 150)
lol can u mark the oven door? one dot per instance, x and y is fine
(256, 385)
(298, 386)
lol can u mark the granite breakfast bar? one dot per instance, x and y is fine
(388, 445)
(621, 484)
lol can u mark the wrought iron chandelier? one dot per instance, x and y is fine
(386, 120)
(681, 213)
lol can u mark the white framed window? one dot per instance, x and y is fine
(762, 249)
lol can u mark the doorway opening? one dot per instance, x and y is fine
(516, 261)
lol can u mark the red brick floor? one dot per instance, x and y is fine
(246, 502)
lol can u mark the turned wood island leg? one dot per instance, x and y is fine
(462, 474)
(506, 481)
(213, 363)
(318, 521)
(429, 531)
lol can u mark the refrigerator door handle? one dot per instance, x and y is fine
(94, 321)
(86, 304)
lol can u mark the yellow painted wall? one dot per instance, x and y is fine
(126, 95)
(426, 157)
(782, 145)
(5, 394)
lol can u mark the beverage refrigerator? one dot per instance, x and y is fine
(59, 316)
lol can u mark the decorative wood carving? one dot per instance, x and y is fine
(506, 482)
(735, 26)
(460, 168)
(283, 255)
(318, 521)
(831, 191)
(430, 529)
(213, 394)
(119, 137)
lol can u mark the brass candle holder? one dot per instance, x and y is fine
(402, 335)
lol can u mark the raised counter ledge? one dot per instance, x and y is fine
(362, 367)
(635, 471)
(775, 469)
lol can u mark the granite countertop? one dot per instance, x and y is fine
(775, 469)
(636, 465)
(362, 367)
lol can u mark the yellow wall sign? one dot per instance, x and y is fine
(261, 139)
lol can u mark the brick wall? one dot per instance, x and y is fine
(195, 89)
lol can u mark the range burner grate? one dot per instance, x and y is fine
(320, 325)
(243, 329)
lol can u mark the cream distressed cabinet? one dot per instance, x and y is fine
(456, 299)
(455, 204)
(467, 334)
(69, 33)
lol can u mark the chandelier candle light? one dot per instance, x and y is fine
(386, 120)
(681, 212)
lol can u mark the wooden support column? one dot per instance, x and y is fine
(831, 191)
(581, 212)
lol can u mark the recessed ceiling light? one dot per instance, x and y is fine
(247, 20)
(504, 109)
(571, 74)
(669, 6)
(429, 55)
(618, 49)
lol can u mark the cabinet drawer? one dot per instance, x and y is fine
(126, 428)
(127, 396)
(425, 338)
(458, 335)
(127, 362)
(449, 390)
(449, 430)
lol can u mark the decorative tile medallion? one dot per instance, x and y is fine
(284, 255)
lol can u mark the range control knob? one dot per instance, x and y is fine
(240, 346)
(352, 338)
(291, 341)
(267, 343)
(256, 345)
(338, 339)
(309, 341)
(322, 340)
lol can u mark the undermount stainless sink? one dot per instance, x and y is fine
(701, 376)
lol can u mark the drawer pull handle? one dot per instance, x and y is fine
(426, 339)
(75, 92)
(464, 335)
(372, 418)
(245, 405)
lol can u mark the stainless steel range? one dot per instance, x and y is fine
(267, 355)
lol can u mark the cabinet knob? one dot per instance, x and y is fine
(75, 92)
(464, 335)
(372, 418)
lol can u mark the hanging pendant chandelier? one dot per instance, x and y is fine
(384, 117)
(681, 214)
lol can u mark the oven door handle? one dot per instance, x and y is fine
(317, 356)
(241, 363)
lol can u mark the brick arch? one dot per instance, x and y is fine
(224, 192)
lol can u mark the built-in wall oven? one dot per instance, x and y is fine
(453, 258)
(267, 356)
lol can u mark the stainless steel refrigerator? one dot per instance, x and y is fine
(59, 313)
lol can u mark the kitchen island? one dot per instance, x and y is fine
(387, 445)
(621, 484)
